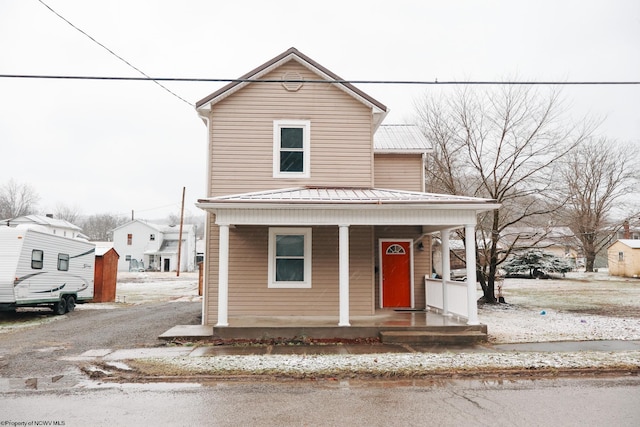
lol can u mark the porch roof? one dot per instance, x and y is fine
(346, 195)
(354, 206)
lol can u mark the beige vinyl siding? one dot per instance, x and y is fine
(421, 259)
(241, 132)
(248, 264)
(398, 171)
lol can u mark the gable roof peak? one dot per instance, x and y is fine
(292, 53)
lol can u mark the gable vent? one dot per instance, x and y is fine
(292, 86)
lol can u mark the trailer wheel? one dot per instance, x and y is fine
(71, 303)
(60, 307)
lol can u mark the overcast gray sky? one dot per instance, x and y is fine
(113, 147)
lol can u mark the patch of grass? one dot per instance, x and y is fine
(604, 298)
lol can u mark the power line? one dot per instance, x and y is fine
(146, 77)
(392, 82)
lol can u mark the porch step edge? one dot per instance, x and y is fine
(430, 337)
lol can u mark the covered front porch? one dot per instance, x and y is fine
(341, 210)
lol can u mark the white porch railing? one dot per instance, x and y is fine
(456, 296)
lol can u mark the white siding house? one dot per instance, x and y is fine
(147, 246)
(55, 226)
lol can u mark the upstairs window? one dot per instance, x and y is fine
(291, 147)
(129, 239)
(152, 237)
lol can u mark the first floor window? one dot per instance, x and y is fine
(63, 262)
(290, 257)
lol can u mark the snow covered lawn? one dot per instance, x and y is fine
(582, 306)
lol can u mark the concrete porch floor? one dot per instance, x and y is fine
(396, 324)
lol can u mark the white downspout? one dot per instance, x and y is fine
(207, 224)
(424, 172)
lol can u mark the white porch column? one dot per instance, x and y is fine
(472, 305)
(223, 277)
(344, 275)
(446, 269)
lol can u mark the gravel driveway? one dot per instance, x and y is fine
(32, 341)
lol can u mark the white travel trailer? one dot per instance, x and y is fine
(40, 268)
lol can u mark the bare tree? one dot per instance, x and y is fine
(67, 213)
(600, 178)
(98, 227)
(503, 144)
(17, 200)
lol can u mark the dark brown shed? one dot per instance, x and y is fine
(105, 275)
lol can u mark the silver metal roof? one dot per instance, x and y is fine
(400, 139)
(333, 195)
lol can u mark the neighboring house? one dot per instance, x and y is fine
(314, 208)
(628, 232)
(56, 226)
(143, 246)
(624, 258)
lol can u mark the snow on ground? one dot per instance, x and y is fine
(513, 324)
(136, 288)
(391, 365)
(579, 307)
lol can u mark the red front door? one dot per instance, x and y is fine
(396, 274)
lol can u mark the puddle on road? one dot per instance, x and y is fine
(56, 382)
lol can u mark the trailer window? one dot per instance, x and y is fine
(37, 257)
(63, 262)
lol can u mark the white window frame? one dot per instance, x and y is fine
(279, 231)
(306, 147)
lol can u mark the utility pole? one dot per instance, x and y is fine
(180, 237)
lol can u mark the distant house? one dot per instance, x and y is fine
(628, 232)
(314, 208)
(56, 226)
(144, 245)
(624, 258)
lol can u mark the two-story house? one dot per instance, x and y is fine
(55, 226)
(147, 246)
(315, 208)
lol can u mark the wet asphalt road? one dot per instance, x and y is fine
(36, 351)
(561, 402)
